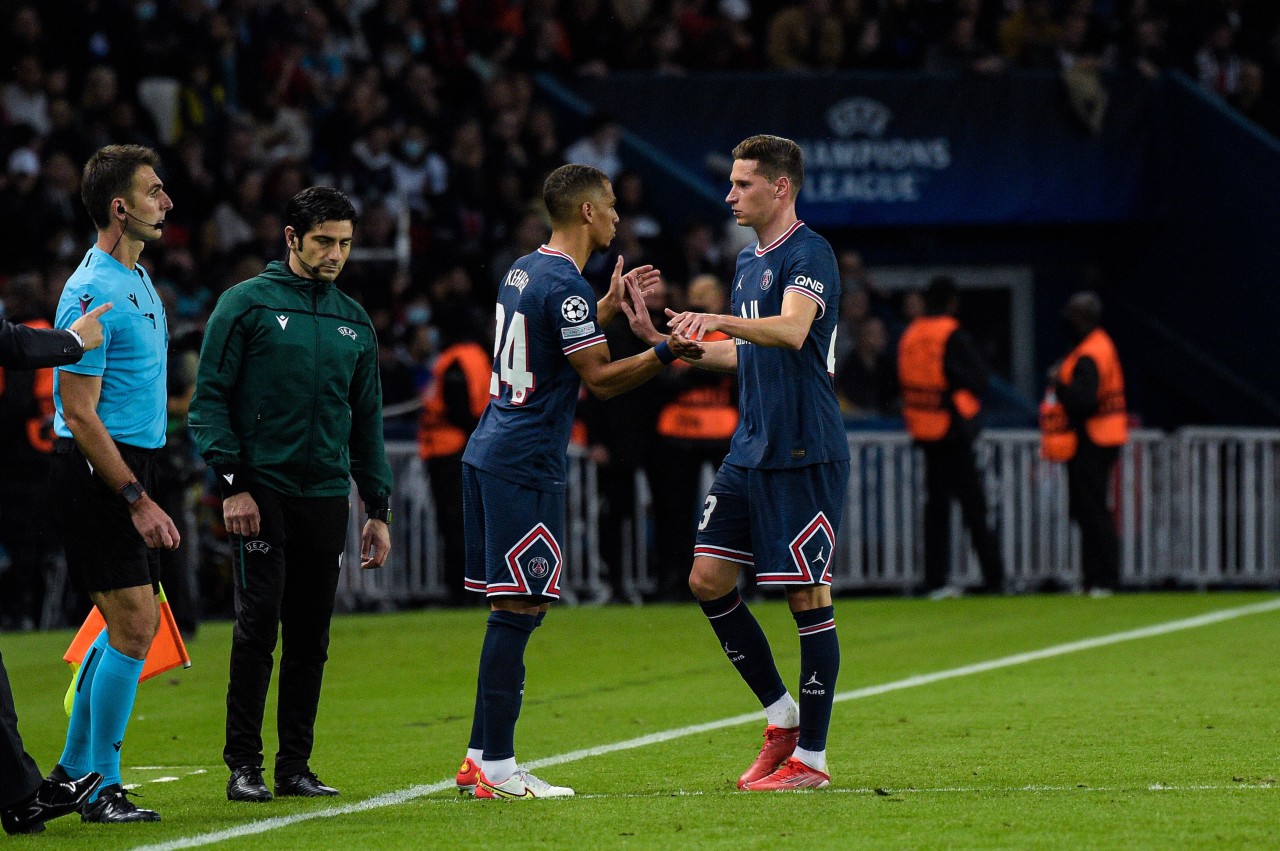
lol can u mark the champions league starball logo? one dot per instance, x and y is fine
(574, 309)
(539, 567)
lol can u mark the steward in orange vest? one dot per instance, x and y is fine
(1085, 395)
(451, 409)
(704, 409)
(455, 399)
(1083, 422)
(942, 378)
(28, 395)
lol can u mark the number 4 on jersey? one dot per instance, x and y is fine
(511, 358)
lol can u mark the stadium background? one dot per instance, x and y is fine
(1031, 148)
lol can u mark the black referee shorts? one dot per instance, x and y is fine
(104, 550)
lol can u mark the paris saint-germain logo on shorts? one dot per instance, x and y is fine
(539, 567)
(258, 547)
(766, 280)
(574, 309)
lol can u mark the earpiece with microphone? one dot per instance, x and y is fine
(313, 271)
(157, 225)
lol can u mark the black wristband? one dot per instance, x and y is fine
(132, 491)
(231, 481)
(383, 514)
(664, 353)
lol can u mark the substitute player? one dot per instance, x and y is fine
(548, 337)
(777, 499)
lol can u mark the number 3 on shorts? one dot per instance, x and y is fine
(706, 514)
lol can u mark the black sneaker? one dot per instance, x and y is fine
(246, 785)
(113, 807)
(305, 785)
(57, 795)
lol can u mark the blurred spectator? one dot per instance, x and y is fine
(903, 40)
(20, 203)
(961, 51)
(1218, 66)
(417, 171)
(368, 173)
(599, 146)
(633, 206)
(805, 37)
(595, 39)
(697, 254)
(23, 98)
(867, 379)
(860, 33)
(1028, 36)
(530, 232)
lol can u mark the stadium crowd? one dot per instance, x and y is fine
(427, 113)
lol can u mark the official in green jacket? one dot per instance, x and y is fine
(287, 408)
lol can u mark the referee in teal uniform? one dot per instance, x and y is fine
(110, 421)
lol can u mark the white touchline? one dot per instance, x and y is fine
(390, 799)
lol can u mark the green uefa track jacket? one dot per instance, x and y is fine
(287, 392)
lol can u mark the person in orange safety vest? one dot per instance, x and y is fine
(451, 406)
(942, 377)
(1083, 423)
(694, 429)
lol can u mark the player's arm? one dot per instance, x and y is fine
(644, 278)
(607, 378)
(718, 356)
(80, 395)
(787, 330)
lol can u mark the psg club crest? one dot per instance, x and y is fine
(766, 280)
(533, 565)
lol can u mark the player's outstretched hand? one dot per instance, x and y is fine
(694, 326)
(643, 277)
(683, 347)
(637, 314)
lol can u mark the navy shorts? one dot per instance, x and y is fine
(783, 523)
(513, 536)
(104, 550)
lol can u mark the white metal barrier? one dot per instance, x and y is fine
(1197, 508)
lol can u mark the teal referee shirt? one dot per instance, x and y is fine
(132, 360)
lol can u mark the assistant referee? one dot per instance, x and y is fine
(110, 422)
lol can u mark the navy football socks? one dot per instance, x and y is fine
(819, 666)
(502, 680)
(744, 643)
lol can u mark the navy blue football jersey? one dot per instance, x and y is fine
(546, 311)
(789, 415)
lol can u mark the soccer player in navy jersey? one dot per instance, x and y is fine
(549, 338)
(778, 498)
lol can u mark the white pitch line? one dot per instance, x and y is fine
(966, 790)
(402, 796)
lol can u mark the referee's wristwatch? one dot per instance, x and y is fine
(383, 514)
(132, 492)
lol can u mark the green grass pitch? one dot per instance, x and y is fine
(1161, 741)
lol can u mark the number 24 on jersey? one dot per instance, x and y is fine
(511, 358)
